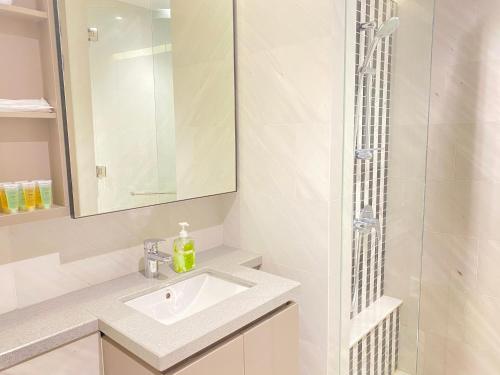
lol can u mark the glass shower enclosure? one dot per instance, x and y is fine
(388, 75)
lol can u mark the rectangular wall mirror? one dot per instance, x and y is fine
(149, 90)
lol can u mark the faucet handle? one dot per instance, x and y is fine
(368, 222)
(151, 244)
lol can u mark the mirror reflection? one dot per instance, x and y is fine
(149, 88)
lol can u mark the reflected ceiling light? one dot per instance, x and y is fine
(119, 18)
(132, 54)
(163, 13)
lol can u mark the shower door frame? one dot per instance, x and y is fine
(347, 183)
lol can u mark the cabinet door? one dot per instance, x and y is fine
(81, 357)
(118, 361)
(272, 346)
(226, 359)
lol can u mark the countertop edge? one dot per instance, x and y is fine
(34, 349)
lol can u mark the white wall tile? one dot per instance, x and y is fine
(432, 354)
(42, 278)
(285, 88)
(462, 208)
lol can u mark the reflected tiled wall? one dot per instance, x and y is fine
(203, 65)
(461, 283)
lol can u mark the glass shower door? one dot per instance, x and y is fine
(123, 102)
(389, 45)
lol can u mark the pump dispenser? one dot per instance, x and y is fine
(184, 252)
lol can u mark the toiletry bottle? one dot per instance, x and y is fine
(184, 252)
(11, 192)
(43, 194)
(29, 192)
(22, 200)
(3, 199)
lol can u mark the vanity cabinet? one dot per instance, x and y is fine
(81, 357)
(270, 346)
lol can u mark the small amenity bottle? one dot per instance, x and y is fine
(10, 198)
(43, 194)
(28, 190)
(184, 252)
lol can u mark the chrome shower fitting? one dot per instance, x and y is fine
(365, 153)
(367, 222)
(385, 30)
(364, 225)
(366, 70)
(372, 25)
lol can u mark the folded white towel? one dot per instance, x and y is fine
(25, 105)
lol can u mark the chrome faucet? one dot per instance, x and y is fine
(152, 257)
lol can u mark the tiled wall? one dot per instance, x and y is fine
(370, 176)
(461, 293)
(378, 352)
(43, 260)
(290, 153)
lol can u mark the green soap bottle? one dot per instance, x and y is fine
(184, 252)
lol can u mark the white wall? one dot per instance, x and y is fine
(290, 136)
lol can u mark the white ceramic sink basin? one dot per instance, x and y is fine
(185, 298)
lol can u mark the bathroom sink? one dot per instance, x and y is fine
(185, 298)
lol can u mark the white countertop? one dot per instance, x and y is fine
(43, 327)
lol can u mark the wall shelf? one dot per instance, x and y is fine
(29, 69)
(13, 11)
(28, 115)
(25, 217)
(367, 320)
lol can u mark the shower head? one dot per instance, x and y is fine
(387, 28)
(384, 31)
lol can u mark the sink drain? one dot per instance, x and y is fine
(168, 294)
